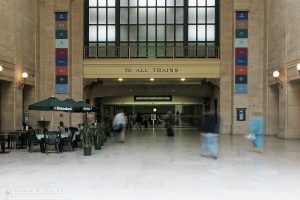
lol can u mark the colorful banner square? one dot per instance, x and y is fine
(241, 51)
(61, 88)
(241, 42)
(61, 25)
(241, 60)
(61, 62)
(242, 15)
(241, 88)
(241, 33)
(61, 71)
(241, 70)
(61, 16)
(61, 79)
(61, 34)
(241, 24)
(61, 43)
(61, 53)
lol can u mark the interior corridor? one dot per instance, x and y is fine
(151, 166)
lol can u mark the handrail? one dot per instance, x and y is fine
(109, 52)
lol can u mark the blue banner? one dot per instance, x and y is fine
(242, 15)
(61, 16)
(61, 88)
(241, 79)
(241, 88)
(241, 61)
(241, 33)
(61, 61)
(61, 34)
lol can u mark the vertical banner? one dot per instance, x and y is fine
(241, 52)
(240, 114)
(61, 52)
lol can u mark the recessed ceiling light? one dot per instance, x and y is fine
(151, 79)
(120, 79)
(182, 79)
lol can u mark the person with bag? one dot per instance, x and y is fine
(119, 126)
(169, 121)
(210, 136)
(257, 129)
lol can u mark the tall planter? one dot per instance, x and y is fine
(99, 136)
(86, 139)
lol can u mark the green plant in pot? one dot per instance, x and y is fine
(86, 139)
(99, 136)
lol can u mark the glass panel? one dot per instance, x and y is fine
(132, 15)
(111, 50)
(111, 33)
(179, 33)
(211, 3)
(170, 2)
(142, 3)
(210, 15)
(191, 50)
(124, 3)
(101, 33)
(192, 2)
(151, 33)
(201, 15)
(170, 15)
(93, 15)
(124, 16)
(160, 33)
(152, 2)
(132, 3)
(192, 33)
(102, 50)
(142, 50)
(160, 50)
(93, 33)
(92, 2)
(179, 50)
(133, 33)
(102, 15)
(179, 2)
(160, 15)
(169, 50)
(201, 32)
(210, 32)
(111, 3)
(92, 50)
(124, 33)
(151, 50)
(192, 15)
(179, 16)
(142, 16)
(201, 2)
(201, 50)
(161, 3)
(123, 50)
(142, 33)
(101, 3)
(111, 16)
(133, 49)
(151, 16)
(170, 33)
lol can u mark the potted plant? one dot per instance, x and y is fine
(99, 136)
(86, 139)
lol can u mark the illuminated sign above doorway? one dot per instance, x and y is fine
(152, 98)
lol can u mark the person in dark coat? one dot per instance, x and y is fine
(210, 141)
(169, 121)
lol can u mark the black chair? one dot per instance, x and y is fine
(52, 138)
(32, 141)
(68, 141)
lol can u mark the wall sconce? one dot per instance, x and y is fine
(22, 83)
(298, 68)
(277, 80)
(1, 68)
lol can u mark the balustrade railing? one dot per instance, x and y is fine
(98, 52)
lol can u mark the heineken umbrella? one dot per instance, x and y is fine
(76, 106)
(51, 104)
(85, 107)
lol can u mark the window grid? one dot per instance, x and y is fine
(156, 44)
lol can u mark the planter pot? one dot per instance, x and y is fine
(98, 146)
(87, 151)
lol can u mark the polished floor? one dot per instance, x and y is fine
(151, 166)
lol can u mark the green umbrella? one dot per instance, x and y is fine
(51, 104)
(85, 107)
(76, 106)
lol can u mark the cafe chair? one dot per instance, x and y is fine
(32, 141)
(52, 138)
